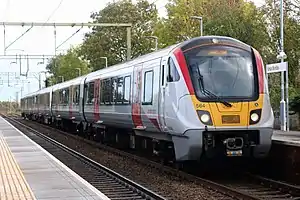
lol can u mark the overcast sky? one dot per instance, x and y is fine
(40, 40)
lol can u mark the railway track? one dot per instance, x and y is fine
(112, 184)
(248, 187)
(261, 188)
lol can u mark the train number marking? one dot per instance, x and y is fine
(200, 105)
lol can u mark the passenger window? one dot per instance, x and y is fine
(106, 92)
(148, 87)
(76, 94)
(127, 89)
(102, 82)
(65, 96)
(120, 91)
(91, 93)
(61, 97)
(113, 90)
(173, 74)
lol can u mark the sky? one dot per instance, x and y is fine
(40, 40)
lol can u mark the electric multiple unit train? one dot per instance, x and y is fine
(207, 96)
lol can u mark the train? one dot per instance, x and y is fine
(204, 97)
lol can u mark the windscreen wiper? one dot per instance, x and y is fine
(206, 92)
(210, 94)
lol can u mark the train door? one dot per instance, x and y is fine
(171, 94)
(136, 97)
(82, 93)
(161, 100)
(97, 100)
(70, 100)
(150, 95)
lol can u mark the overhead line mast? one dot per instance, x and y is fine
(62, 24)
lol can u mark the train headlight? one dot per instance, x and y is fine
(204, 117)
(255, 116)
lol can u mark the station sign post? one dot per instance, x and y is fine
(280, 67)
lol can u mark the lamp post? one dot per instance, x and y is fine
(201, 23)
(156, 41)
(284, 107)
(62, 78)
(79, 71)
(105, 61)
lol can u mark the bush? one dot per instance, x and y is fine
(295, 104)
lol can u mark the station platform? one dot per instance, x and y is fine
(286, 137)
(29, 172)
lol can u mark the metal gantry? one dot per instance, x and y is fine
(32, 24)
(19, 58)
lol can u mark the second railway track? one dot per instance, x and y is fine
(112, 184)
(256, 188)
(259, 187)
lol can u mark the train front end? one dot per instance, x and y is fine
(227, 91)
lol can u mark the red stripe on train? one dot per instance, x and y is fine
(184, 69)
(260, 70)
(136, 104)
(155, 123)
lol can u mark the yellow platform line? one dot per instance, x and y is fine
(13, 185)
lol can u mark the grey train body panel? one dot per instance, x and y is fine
(151, 105)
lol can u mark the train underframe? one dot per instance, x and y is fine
(210, 144)
(119, 138)
(230, 143)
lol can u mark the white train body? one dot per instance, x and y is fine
(157, 96)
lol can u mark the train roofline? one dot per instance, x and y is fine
(159, 53)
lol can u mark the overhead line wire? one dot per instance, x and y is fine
(53, 12)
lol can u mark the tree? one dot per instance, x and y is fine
(234, 18)
(291, 45)
(111, 41)
(65, 65)
(295, 104)
(258, 27)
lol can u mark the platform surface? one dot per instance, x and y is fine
(286, 137)
(29, 172)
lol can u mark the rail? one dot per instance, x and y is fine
(259, 188)
(109, 182)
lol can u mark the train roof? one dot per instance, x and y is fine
(41, 91)
(74, 81)
(211, 39)
(140, 59)
(153, 55)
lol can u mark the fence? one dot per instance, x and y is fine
(294, 121)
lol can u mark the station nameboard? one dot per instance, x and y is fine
(276, 67)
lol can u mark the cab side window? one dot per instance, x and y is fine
(173, 74)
